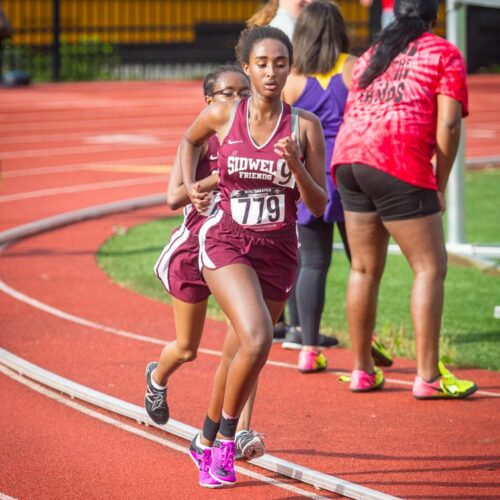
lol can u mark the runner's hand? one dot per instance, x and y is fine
(287, 149)
(200, 201)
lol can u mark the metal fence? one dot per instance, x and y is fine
(135, 39)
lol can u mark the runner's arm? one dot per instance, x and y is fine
(177, 196)
(210, 121)
(449, 121)
(310, 173)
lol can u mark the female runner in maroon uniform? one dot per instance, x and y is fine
(270, 156)
(177, 268)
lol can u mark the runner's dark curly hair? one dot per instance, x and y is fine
(251, 36)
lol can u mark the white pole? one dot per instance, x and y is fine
(455, 32)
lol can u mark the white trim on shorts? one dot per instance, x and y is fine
(203, 258)
(162, 264)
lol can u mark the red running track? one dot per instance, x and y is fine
(65, 147)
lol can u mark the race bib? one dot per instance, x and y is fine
(258, 207)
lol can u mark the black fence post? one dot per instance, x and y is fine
(56, 46)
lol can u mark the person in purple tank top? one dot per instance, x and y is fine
(319, 83)
(270, 156)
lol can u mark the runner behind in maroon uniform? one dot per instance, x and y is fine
(270, 154)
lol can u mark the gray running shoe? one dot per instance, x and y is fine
(249, 445)
(293, 340)
(155, 400)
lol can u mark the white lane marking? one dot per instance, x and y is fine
(144, 434)
(122, 139)
(78, 150)
(91, 123)
(21, 297)
(3, 496)
(62, 137)
(79, 166)
(481, 133)
(95, 186)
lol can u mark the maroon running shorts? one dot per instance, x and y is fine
(178, 269)
(272, 254)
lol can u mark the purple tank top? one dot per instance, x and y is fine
(325, 96)
(206, 166)
(257, 189)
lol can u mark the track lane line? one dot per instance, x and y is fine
(29, 195)
(97, 165)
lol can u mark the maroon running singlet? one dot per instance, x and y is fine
(256, 221)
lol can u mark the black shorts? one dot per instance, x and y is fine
(367, 189)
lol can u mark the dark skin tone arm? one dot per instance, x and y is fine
(311, 180)
(449, 120)
(211, 120)
(177, 196)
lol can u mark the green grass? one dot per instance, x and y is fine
(482, 206)
(470, 334)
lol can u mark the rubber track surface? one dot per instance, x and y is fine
(75, 146)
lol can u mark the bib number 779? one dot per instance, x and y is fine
(257, 209)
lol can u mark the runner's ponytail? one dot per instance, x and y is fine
(412, 19)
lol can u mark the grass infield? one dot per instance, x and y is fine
(470, 334)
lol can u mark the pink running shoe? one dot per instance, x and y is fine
(362, 381)
(202, 457)
(310, 362)
(445, 386)
(222, 466)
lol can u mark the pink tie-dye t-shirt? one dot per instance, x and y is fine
(391, 124)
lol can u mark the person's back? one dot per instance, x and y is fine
(319, 81)
(319, 84)
(325, 96)
(391, 123)
(408, 96)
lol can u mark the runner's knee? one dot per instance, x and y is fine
(185, 353)
(373, 270)
(256, 343)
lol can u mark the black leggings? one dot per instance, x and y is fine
(307, 301)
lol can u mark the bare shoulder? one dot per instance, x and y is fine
(307, 119)
(348, 69)
(309, 126)
(294, 87)
(350, 62)
(219, 111)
